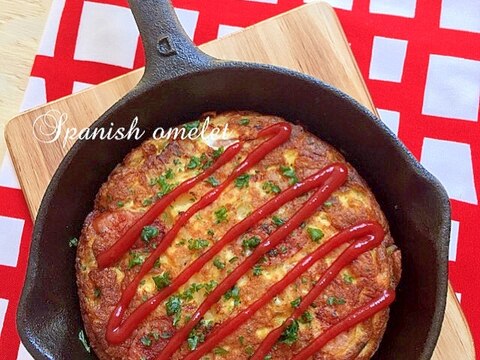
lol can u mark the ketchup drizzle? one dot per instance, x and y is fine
(359, 315)
(120, 331)
(369, 235)
(365, 236)
(126, 241)
(336, 177)
(279, 133)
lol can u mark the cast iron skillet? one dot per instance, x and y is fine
(181, 82)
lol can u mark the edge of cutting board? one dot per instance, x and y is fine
(455, 337)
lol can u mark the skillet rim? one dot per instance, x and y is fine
(142, 88)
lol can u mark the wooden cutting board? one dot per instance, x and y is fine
(309, 39)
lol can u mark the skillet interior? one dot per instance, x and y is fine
(415, 204)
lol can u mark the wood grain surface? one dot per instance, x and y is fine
(308, 39)
(21, 26)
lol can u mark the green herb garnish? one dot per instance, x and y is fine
(277, 221)
(146, 340)
(221, 215)
(212, 181)
(192, 289)
(73, 242)
(244, 121)
(333, 300)
(197, 244)
(165, 186)
(148, 233)
(306, 318)
(162, 281)
(289, 172)
(347, 278)
(174, 307)
(194, 339)
(290, 334)
(84, 341)
(219, 264)
(296, 303)
(97, 292)
(216, 153)
(147, 202)
(242, 181)
(169, 174)
(315, 234)
(220, 351)
(233, 293)
(257, 270)
(251, 242)
(271, 187)
(212, 284)
(135, 259)
(192, 125)
(194, 162)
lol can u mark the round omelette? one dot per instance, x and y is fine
(178, 222)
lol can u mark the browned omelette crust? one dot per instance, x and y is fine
(127, 195)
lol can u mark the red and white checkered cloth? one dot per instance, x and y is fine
(421, 61)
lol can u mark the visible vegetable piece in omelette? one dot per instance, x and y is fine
(158, 166)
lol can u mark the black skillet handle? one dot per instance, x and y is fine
(169, 52)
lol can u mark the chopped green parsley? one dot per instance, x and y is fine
(306, 318)
(217, 152)
(73, 242)
(244, 121)
(162, 281)
(296, 303)
(277, 221)
(221, 215)
(84, 341)
(194, 162)
(257, 270)
(289, 172)
(146, 340)
(271, 187)
(233, 293)
(242, 181)
(194, 339)
(135, 259)
(290, 334)
(197, 244)
(220, 351)
(315, 234)
(333, 300)
(192, 125)
(347, 278)
(219, 264)
(213, 181)
(148, 233)
(251, 242)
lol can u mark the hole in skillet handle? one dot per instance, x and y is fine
(169, 51)
(164, 47)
